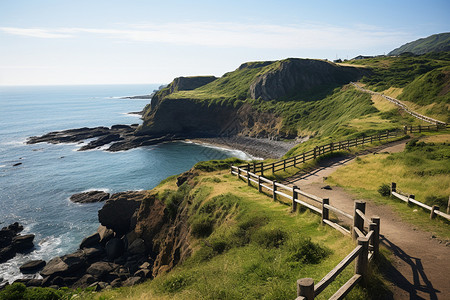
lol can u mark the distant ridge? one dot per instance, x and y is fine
(434, 43)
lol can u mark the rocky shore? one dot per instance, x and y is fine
(11, 242)
(121, 137)
(137, 239)
(256, 147)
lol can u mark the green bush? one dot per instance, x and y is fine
(272, 238)
(384, 190)
(305, 251)
(18, 291)
(202, 226)
(217, 165)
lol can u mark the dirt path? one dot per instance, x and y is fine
(420, 266)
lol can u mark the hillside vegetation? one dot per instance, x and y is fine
(244, 245)
(434, 43)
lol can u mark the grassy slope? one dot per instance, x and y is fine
(433, 43)
(257, 251)
(423, 170)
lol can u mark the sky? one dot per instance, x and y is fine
(61, 42)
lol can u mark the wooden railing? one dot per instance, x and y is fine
(408, 198)
(402, 106)
(282, 165)
(368, 240)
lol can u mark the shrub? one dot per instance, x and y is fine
(272, 238)
(202, 226)
(305, 251)
(384, 190)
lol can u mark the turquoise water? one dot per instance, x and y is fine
(36, 193)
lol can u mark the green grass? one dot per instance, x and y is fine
(422, 169)
(246, 246)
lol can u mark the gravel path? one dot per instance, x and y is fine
(420, 265)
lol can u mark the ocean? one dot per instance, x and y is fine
(36, 192)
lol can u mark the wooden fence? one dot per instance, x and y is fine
(282, 165)
(408, 198)
(402, 106)
(368, 239)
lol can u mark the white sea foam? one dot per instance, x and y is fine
(45, 249)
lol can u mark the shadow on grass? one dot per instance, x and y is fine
(418, 272)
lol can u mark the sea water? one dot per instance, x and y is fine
(36, 192)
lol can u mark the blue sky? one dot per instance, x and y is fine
(45, 42)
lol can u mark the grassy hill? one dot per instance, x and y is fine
(434, 43)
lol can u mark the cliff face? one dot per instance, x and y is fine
(190, 114)
(294, 77)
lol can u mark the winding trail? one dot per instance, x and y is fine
(402, 106)
(420, 267)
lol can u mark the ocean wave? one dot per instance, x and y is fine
(45, 249)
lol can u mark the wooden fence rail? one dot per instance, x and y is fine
(434, 210)
(282, 165)
(368, 244)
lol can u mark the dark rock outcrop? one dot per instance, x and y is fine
(89, 197)
(118, 211)
(11, 242)
(91, 241)
(32, 266)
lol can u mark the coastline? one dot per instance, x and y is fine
(258, 148)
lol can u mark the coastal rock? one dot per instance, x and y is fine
(84, 281)
(99, 269)
(117, 212)
(6, 253)
(23, 243)
(91, 241)
(64, 265)
(137, 247)
(90, 197)
(105, 234)
(133, 281)
(32, 266)
(114, 248)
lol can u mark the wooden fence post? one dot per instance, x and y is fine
(284, 165)
(315, 152)
(274, 187)
(325, 212)
(303, 157)
(294, 197)
(262, 169)
(393, 187)
(448, 205)
(361, 265)
(411, 197)
(259, 184)
(295, 161)
(433, 214)
(358, 222)
(376, 236)
(356, 142)
(239, 173)
(248, 178)
(420, 128)
(305, 288)
(331, 146)
(254, 168)
(248, 166)
(273, 168)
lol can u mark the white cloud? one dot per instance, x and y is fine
(216, 34)
(35, 32)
